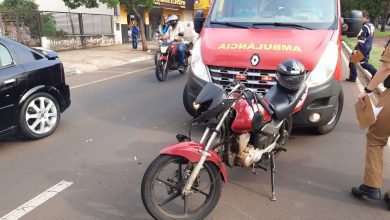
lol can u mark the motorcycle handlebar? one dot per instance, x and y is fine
(260, 100)
(264, 105)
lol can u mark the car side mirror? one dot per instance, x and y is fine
(353, 24)
(199, 20)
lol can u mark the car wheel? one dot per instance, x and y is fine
(324, 129)
(39, 116)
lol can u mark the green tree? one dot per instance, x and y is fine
(27, 11)
(376, 8)
(132, 7)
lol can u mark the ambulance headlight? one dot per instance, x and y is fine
(198, 67)
(325, 67)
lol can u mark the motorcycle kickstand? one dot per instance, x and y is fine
(273, 171)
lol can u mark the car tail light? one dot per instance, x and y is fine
(62, 72)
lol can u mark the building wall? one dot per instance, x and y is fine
(59, 5)
(71, 43)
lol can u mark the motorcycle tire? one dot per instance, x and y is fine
(152, 179)
(161, 70)
(185, 70)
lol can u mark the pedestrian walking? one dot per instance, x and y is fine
(364, 45)
(134, 36)
(378, 134)
(25, 35)
(12, 31)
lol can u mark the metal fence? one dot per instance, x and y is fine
(78, 24)
(28, 28)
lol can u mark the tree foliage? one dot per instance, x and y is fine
(26, 6)
(378, 9)
(73, 4)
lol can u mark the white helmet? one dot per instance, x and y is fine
(173, 18)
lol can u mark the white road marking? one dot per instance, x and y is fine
(37, 201)
(109, 78)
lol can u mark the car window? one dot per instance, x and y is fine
(5, 57)
(27, 56)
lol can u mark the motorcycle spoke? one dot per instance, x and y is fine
(167, 183)
(170, 199)
(180, 172)
(200, 191)
(185, 205)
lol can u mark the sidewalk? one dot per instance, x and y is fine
(86, 60)
(364, 77)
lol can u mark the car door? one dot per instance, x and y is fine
(12, 85)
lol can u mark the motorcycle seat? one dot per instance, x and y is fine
(283, 101)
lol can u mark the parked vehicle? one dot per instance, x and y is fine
(243, 129)
(259, 34)
(166, 58)
(33, 92)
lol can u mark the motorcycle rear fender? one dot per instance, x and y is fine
(191, 151)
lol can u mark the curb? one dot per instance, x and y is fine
(72, 71)
(365, 74)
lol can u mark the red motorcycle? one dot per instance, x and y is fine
(243, 129)
(166, 58)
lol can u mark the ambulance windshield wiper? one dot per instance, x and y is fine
(278, 24)
(230, 24)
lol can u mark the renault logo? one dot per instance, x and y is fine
(255, 60)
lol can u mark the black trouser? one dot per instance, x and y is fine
(364, 63)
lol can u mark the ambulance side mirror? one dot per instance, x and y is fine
(353, 24)
(199, 20)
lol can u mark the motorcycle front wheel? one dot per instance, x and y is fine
(162, 186)
(161, 70)
(185, 67)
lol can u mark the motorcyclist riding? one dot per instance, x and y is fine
(176, 33)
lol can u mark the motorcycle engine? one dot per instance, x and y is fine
(244, 149)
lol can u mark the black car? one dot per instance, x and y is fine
(33, 92)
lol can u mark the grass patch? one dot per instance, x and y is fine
(382, 34)
(375, 54)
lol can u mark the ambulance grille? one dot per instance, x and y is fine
(257, 80)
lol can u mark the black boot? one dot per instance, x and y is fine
(387, 200)
(369, 192)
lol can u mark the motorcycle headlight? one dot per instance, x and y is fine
(325, 67)
(163, 49)
(197, 65)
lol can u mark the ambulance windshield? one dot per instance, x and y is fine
(313, 14)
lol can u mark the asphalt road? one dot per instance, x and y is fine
(116, 126)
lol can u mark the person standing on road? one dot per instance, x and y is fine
(378, 134)
(365, 40)
(134, 36)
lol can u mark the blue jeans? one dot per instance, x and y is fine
(181, 53)
(134, 39)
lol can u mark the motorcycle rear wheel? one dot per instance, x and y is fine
(176, 205)
(161, 70)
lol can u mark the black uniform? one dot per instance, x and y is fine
(365, 41)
